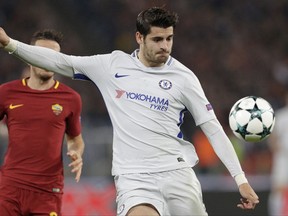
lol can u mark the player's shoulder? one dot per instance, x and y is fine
(11, 84)
(181, 68)
(118, 54)
(9, 88)
(65, 88)
(119, 58)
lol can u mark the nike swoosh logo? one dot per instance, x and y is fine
(119, 76)
(15, 106)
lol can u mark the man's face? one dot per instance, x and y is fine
(41, 73)
(156, 47)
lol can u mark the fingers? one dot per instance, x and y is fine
(76, 164)
(253, 196)
(73, 155)
(247, 204)
(78, 175)
(250, 198)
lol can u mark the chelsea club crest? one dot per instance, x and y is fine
(165, 84)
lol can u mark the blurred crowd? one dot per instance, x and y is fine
(236, 48)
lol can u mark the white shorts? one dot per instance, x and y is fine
(176, 192)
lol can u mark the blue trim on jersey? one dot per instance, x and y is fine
(181, 120)
(169, 61)
(81, 77)
(134, 54)
(180, 135)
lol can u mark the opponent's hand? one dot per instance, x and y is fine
(4, 39)
(250, 198)
(76, 164)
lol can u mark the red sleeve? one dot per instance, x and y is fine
(73, 122)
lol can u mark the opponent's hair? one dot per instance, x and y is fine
(155, 16)
(47, 34)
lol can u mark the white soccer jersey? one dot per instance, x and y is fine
(145, 104)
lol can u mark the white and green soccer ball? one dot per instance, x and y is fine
(252, 119)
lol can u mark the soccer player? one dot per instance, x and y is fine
(278, 140)
(39, 111)
(146, 94)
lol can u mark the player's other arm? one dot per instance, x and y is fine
(225, 151)
(75, 149)
(37, 56)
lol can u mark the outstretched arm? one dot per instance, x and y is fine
(225, 151)
(41, 57)
(75, 146)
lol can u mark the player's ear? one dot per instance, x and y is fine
(139, 37)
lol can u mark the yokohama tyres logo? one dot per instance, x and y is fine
(155, 103)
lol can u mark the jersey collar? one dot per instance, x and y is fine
(56, 84)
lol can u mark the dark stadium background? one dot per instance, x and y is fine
(236, 48)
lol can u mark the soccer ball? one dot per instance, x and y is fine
(252, 119)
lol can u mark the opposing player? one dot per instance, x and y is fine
(39, 111)
(146, 94)
(278, 140)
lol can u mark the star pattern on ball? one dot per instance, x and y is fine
(252, 119)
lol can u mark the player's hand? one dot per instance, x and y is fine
(4, 39)
(76, 164)
(249, 198)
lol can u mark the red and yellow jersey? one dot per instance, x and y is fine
(37, 121)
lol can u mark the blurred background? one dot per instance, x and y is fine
(236, 48)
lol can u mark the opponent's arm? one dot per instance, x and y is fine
(225, 151)
(75, 147)
(38, 56)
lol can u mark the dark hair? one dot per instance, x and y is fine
(157, 17)
(47, 34)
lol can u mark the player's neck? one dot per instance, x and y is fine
(41, 85)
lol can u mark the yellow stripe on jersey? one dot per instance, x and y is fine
(24, 81)
(57, 84)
